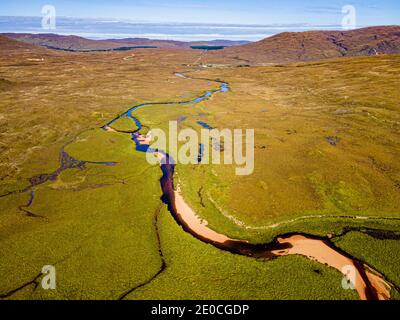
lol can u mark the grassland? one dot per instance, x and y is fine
(88, 229)
(46, 103)
(295, 110)
(199, 271)
(105, 228)
(303, 182)
(382, 254)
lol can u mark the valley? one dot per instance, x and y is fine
(326, 169)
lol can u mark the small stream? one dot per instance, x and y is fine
(369, 283)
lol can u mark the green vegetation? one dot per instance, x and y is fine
(382, 255)
(97, 225)
(199, 271)
(103, 226)
(208, 48)
(99, 231)
(134, 47)
(124, 124)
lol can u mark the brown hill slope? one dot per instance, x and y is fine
(7, 44)
(62, 42)
(315, 45)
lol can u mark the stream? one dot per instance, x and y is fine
(369, 284)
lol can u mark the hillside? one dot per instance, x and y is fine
(315, 45)
(7, 44)
(55, 41)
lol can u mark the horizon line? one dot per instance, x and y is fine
(122, 20)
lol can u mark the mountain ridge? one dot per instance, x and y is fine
(316, 45)
(76, 43)
(284, 47)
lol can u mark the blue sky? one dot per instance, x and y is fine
(314, 12)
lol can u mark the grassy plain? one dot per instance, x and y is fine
(46, 103)
(96, 228)
(296, 111)
(99, 225)
(326, 151)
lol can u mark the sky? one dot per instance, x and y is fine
(313, 12)
(189, 20)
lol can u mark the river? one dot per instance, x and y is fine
(369, 284)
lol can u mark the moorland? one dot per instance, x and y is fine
(82, 199)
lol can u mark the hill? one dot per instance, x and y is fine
(75, 43)
(316, 45)
(7, 44)
(54, 41)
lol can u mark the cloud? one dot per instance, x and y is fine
(337, 10)
(324, 10)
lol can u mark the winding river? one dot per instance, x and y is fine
(369, 283)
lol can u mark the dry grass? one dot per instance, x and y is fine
(47, 98)
(299, 112)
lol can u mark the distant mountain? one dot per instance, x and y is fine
(282, 48)
(54, 41)
(175, 44)
(315, 45)
(224, 43)
(75, 43)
